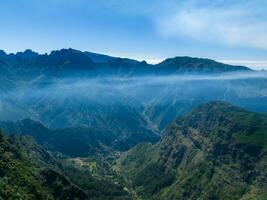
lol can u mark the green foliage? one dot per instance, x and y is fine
(153, 178)
(99, 184)
(27, 171)
(215, 152)
(77, 141)
(18, 179)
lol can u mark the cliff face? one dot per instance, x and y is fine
(217, 151)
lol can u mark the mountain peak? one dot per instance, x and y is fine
(65, 51)
(27, 54)
(199, 65)
(2, 53)
(215, 106)
(67, 59)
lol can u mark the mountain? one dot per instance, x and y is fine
(76, 141)
(132, 100)
(99, 58)
(21, 179)
(26, 55)
(27, 126)
(85, 110)
(3, 54)
(217, 151)
(28, 171)
(196, 65)
(68, 60)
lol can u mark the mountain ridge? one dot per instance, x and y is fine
(176, 64)
(76, 141)
(217, 151)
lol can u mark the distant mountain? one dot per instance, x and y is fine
(71, 59)
(133, 100)
(78, 141)
(26, 126)
(218, 151)
(26, 55)
(99, 58)
(3, 54)
(196, 65)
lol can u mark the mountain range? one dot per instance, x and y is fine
(81, 125)
(66, 61)
(216, 151)
(107, 88)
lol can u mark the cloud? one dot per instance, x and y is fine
(237, 23)
(255, 64)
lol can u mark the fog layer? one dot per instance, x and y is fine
(151, 101)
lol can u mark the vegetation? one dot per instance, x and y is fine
(27, 171)
(77, 141)
(89, 109)
(217, 151)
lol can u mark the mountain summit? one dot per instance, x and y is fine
(196, 65)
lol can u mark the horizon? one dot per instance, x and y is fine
(233, 32)
(255, 65)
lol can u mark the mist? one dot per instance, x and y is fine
(75, 101)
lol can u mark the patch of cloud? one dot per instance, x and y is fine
(154, 61)
(237, 23)
(254, 64)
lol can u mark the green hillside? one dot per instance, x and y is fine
(27, 171)
(217, 151)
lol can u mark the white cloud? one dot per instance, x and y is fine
(236, 24)
(254, 64)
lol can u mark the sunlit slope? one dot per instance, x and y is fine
(218, 151)
(21, 177)
(29, 171)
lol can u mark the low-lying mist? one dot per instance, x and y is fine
(156, 100)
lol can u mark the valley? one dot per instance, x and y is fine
(80, 125)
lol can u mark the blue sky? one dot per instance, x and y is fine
(233, 31)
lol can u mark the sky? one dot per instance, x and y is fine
(231, 31)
